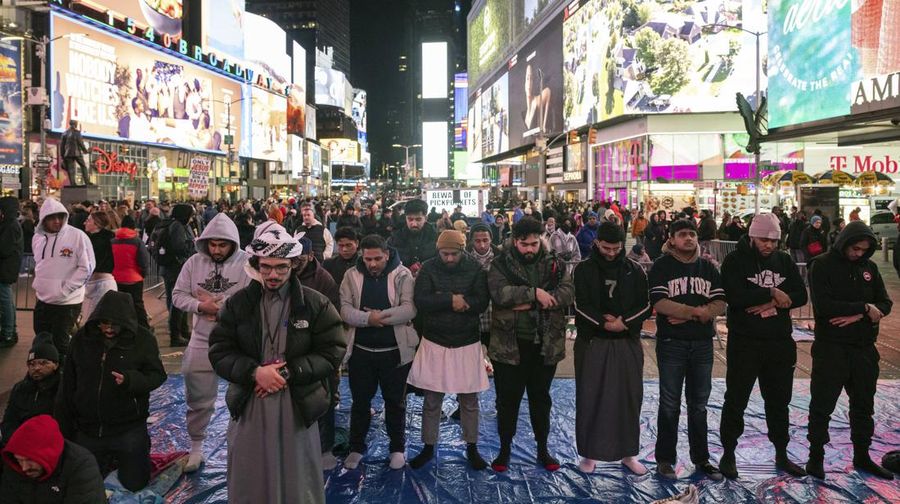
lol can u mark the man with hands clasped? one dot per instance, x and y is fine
(849, 299)
(761, 284)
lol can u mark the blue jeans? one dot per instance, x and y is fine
(7, 311)
(685, 364)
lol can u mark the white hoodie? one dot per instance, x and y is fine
(202, 278)
(63, 261)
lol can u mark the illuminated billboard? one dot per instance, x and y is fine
(164, 16)
(120, 90)
(331, 87)
(11, 132)
(536, 87)
(435, 156)
(223, 31)
(495, 118)
(460, 110)
(265, 51)
(842, 60)
(489, 38)
(473, 141)
(342, 150)
(434, 70)
(265, 117)
(359, 116)
(657, 57)
(297, 96)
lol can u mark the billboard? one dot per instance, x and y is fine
(330, 87)
(265, 51)
(473, 140)
(310, 122)
(460, 110)
(494, 124)
(314, 159)
(121, 90)
(342, 150)
(434, 70)
(265, 117)
(842, 59)
(489, 37)
(435, 154)
(657, 57)
(360, 117)
(297, 95)
(223, 29)
(164, 16)
(536, 87)
(12, 138)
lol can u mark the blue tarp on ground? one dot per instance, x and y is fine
(450, 481)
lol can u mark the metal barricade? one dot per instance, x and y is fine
(718, 249)
(152, 277)
(805, 312)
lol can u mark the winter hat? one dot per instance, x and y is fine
(461, 226)
(273, 240)
(43, 348)
(814, 219)
(765, 225)
(479, 227)
(38, 439)
(451, 239)
(590, 214)
(306, 243)
(610, 233)
(681, 224)
(128, 222)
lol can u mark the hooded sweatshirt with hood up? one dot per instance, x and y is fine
(63, 261)
(202, 278)
(71, 474)
(839, 287)
(11, 243)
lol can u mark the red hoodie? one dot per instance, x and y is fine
(130, 257)
(38, 439)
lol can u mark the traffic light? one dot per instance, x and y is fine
(592, 136)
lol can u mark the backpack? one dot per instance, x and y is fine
(159, 242)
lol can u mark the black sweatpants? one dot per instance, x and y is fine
(128, 451)
(511, 382)
(770, 361)
(60, 321)
(367, 372)
(136, 291)
(837, 367)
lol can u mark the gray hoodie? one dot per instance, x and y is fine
(63, 261)
(202, 278)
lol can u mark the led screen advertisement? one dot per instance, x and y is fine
(121, 90)
(265, 46)
(435, 154)
(434, 70)
(460, 110)
(473, 140)
(359, 116)
(223, 27)
(265, 117)
(297, 95)
(657, 57)
(164, 16)
(11, 132)
(342, 150)
(536, 87)
(832, 60)
(495, 117)
(489, 37)
(330, 87)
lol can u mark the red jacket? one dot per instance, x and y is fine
(131, 260)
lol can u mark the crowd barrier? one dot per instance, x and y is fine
(24, 293)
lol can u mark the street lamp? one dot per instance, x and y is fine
(758, 99)
(41, 43)
(406, 148)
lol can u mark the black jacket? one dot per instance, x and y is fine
(747, 278)
(89, 400)
(795, 232)
(707, 229)
(595, 297)
(337, 266)
(811, 235)
(435, 286)
(320, 280)
(76, 480)
(316, 344)
(27, 399)
(415, 247)
(101, 241)
(12, 243)
(839, 288)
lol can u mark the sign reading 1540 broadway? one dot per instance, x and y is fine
(831, 58)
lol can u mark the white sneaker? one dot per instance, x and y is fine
(329, 462)
(352, 460)
(398, 460)
(195, 459)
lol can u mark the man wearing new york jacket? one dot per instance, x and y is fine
(686, 292)
(762, 285)
(849, 299)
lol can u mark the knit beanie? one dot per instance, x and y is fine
(610, 233)
(765, 225)
(43, 348)
(306, 243)
(451, 239)
(814, 219)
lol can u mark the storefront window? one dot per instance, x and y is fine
(120, 170)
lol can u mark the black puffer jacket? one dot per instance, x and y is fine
(28, 399)
(12, 243)
(90, 401)
(435, 286)
(415, 247)
(839, 288)
(748, 278)
(316, 344)
(75, 480)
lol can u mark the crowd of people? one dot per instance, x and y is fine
(278, 298)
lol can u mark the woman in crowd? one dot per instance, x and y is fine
(99, 229)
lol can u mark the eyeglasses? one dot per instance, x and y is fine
(281, 269)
